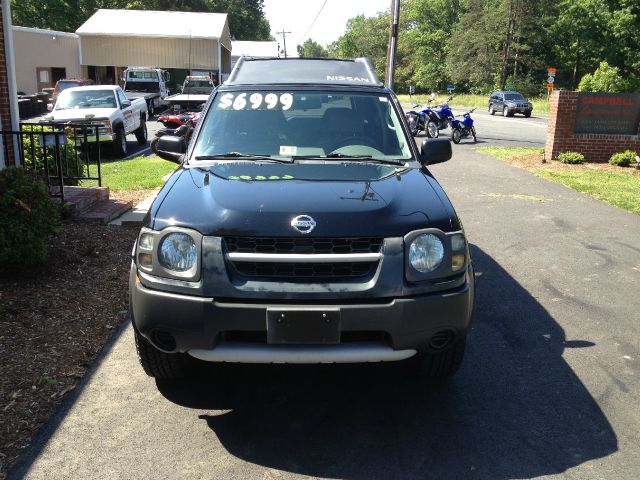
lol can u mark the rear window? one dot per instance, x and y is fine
(67, 84)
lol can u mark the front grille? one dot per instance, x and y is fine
(305, 270)
(300, 245)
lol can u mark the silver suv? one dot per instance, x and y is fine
(509, 103)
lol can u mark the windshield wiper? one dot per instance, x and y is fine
(343, 156)
(222, 156)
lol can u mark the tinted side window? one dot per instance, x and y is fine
(121, 97)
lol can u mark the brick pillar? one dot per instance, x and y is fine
(5, 105)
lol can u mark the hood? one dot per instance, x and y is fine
(80, 114)
(390, 206)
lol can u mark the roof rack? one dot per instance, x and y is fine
(296, 71)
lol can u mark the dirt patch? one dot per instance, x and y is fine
(533, 162)
(53, 321)
(136, 196)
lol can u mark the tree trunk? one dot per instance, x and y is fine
(507, 43)
(576, 67)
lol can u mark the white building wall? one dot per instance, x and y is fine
(35, 48)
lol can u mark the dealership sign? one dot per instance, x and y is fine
(608, 113)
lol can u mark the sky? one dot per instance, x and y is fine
(297, 16)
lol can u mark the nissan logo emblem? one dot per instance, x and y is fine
(303, 223)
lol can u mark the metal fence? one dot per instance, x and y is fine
(62, 154)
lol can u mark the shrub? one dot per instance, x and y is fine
(71, 159)
(623, 159)
(605, 79)
(28, 217)
(571, 157)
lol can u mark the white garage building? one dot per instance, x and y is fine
(112, 40)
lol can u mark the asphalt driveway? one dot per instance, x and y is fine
(550, 385)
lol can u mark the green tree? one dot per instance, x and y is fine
(246, 17)
(311, 49)
(584, 36)
(605, 79)
(366, 37)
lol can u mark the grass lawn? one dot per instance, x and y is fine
(138, 173)
(619, 189)
(618, 186)
(466, 100)
(503, 153)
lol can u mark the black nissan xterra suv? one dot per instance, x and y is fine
(302, 226)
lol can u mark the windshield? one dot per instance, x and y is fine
(142, 86)
(198, 84)
(86, 99)
(513, 96)
(298, 124)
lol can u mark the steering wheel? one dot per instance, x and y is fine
(352, 141)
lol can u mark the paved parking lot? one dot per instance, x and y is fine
(549, 387)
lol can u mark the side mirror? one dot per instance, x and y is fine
(49, 107)
(125, 104)
(171, 148)
(435, 150)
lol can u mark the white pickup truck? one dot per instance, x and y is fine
(107, 106)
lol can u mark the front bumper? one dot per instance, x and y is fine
(522, 110)
(206, 327)
(91, 138)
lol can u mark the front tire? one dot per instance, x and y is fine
(443, 364)
(152, 109)
(120, 142)
(456, 135)
(527, 114)
(154, 145)
(473, 132)
(432, 129)
(158, 364)
(141, 132)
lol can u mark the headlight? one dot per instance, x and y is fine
(426, 253)
(178, 252)
(172, 253)
(431, 254)
(104, 126)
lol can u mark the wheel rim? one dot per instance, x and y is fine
(456, 136)
(432, 130)
(505, 112)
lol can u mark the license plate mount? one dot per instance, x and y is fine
(303, 327)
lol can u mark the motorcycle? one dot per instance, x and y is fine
(442, 116)
(463, 128)
(177, 120)
(425, 120)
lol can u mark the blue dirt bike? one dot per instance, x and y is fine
(442, 116)
(463, 128)
(424, 120)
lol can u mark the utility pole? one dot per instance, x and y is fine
(284, 41)
(393, 42)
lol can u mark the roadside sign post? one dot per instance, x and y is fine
(551, 77)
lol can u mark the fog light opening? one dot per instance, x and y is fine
(163, 340)
(442, 340)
